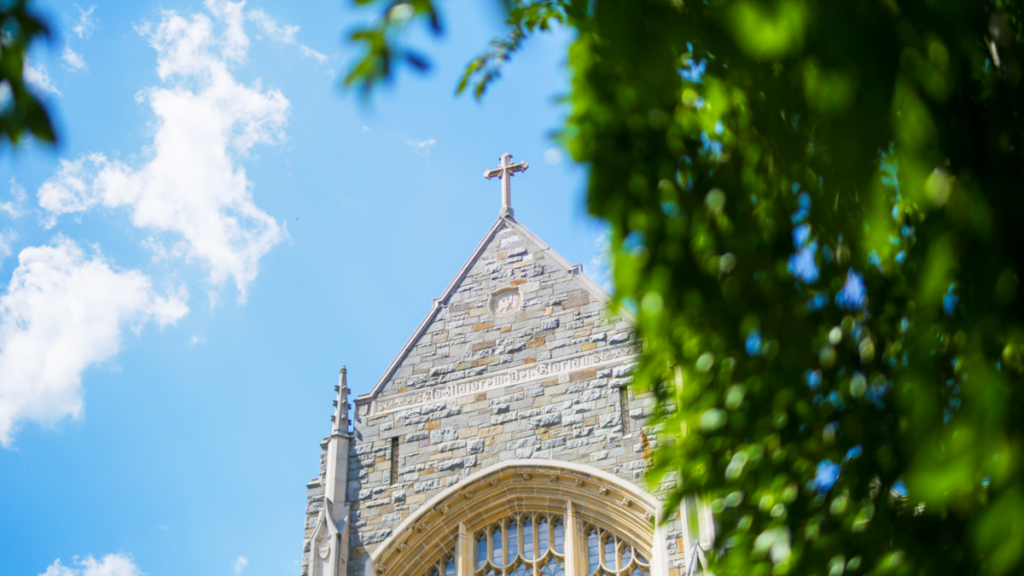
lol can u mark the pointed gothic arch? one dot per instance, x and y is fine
(575, 496)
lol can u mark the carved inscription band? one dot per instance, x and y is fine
(518, 375)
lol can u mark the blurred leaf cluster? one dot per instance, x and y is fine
(21, 110)
(816, 210)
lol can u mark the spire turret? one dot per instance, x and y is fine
(340, 417)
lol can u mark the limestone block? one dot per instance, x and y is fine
(545, 421)
(450, 464)
(570, 419)
(442, 435)
(417, 436)
(619, 337)
(553, 443)
(450, 446)
(424, 486)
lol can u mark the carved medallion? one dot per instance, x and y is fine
(325, 551)
(505, 302)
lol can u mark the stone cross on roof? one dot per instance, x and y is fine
(505, 172)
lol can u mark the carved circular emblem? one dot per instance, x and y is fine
(505, 302)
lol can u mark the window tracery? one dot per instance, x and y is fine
(524, 519)
(445, 566)
(523, 544)
(610, 555)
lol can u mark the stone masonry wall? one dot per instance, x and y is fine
(574, 416)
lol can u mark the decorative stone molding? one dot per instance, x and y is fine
(505, 302)
(619, 505)
(517, 376)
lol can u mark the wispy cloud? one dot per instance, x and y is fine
(421, 147)
(7, 237)
(193, 186)
(15, 208)
(72, 60)
(110, 565)
(552, 156)
(86, 22)
(240, 564)
(600, 264)
(38, 79)
(63, 312)
(283, 33)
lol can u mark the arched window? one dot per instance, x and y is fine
(524, 544)
(610, 554)
(530, 519)
(536, 544)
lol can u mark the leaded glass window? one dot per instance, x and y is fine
(541, 544)
(611, 555)
(536, 544)
(445, 566)
(526, 544)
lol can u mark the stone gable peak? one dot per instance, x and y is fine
(515, 303)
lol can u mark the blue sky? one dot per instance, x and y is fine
(220, 230)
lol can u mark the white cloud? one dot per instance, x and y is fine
(111, 565)
(601, 263)
(273, 29)
(240, 564)
(73, 59)
(421, 147)
(6, 238)
(15, 208)
(62, 312)
(284, 34)
(552, 156)
(192, 184)
(37, 78)
(86, 23)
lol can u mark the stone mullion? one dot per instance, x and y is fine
(571, 541)
(464, 552)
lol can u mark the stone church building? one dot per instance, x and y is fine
(503, 439)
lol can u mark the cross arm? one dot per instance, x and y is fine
(492, 173)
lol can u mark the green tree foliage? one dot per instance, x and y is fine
(21, 111)
(817, 212)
